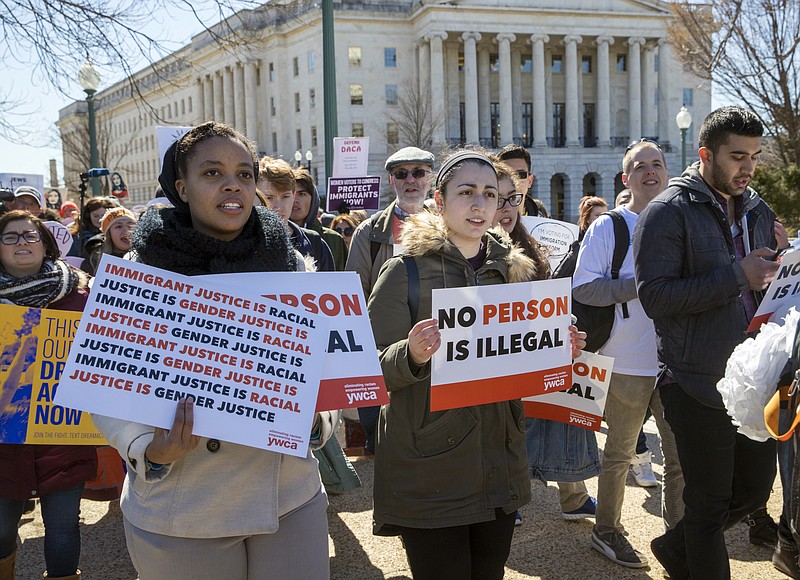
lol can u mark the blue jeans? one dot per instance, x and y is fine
(727, 477)
(62, 537)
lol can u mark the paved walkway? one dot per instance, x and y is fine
(545, 546)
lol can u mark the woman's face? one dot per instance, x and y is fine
(596, 212)
(469, 205)
(346, 231)
(53, 197)
(219, 187)
(507, 215)
(120, 232)
(97, 216)
(21, 258)
(116, 180)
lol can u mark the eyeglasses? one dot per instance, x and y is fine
(346, 232)
(513, 200)
(12, 238)
(417, 173)
(640, 141)
(522, 174)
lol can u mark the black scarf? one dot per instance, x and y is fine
(165, 238)
(54, 281)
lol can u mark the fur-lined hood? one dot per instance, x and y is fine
(426, 233)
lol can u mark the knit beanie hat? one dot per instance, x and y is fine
(113, 215)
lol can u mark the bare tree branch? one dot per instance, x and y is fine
(749, 48)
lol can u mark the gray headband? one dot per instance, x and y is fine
(459, 157)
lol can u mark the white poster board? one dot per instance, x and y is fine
(500, 342)
(350, 156)
(351, 372)
(556, 235)
(783, 291)
(583, 401)
(166, 136)
(149, 337)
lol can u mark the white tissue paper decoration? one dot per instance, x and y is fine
(752, 373)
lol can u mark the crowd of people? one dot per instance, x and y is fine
(449, 483)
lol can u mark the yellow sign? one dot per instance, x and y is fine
(35, 344)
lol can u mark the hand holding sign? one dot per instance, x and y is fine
(424, 339)
(169, 446)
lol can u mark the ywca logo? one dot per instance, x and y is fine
(580, 419)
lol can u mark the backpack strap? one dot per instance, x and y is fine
(373, 250)
(622, 242)
(413, 286)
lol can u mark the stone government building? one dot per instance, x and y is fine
(575, 81)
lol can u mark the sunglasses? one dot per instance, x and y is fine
(640, 141)
(12, 238)
(346, 232)
(522, 174)
(512, 200)
(417, 173)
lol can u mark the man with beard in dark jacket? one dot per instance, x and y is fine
(702, 252)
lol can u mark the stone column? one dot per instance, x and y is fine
(453, 92)
(239, 98)
(250, 101)
(664, 121)
(199, 105)
(437, 84)
(228, 96)
(634, 88)
(208, 98)
(539, 97)
(548, 93)
(506, 128)
(571, 65)
(516, 95)
(648, 90)
(484, 95)
(218, 110)
(603, 91)
(471, 86)
(423, 65)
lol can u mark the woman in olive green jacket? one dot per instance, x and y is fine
(448, 482)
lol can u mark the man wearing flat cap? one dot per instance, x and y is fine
(410, 173)
(27, 198)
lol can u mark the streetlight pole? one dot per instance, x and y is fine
(684, 120)
(309, 157)
(89, 80)
(329, 83)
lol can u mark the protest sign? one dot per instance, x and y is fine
(150, 337)
(356, 192)
(351, 373)
(556, 235)
(500, 342)
(350, 156)
(35, 347)
(581, 404)
(62, 236)
(784, 291)
(166, 136)
(15, 180)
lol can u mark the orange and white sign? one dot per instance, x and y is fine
(500, 342)
(351, 372)
(581, 404)
(784, 291)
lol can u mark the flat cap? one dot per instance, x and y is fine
(410, 155)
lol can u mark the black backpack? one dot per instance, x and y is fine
(597, 321)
